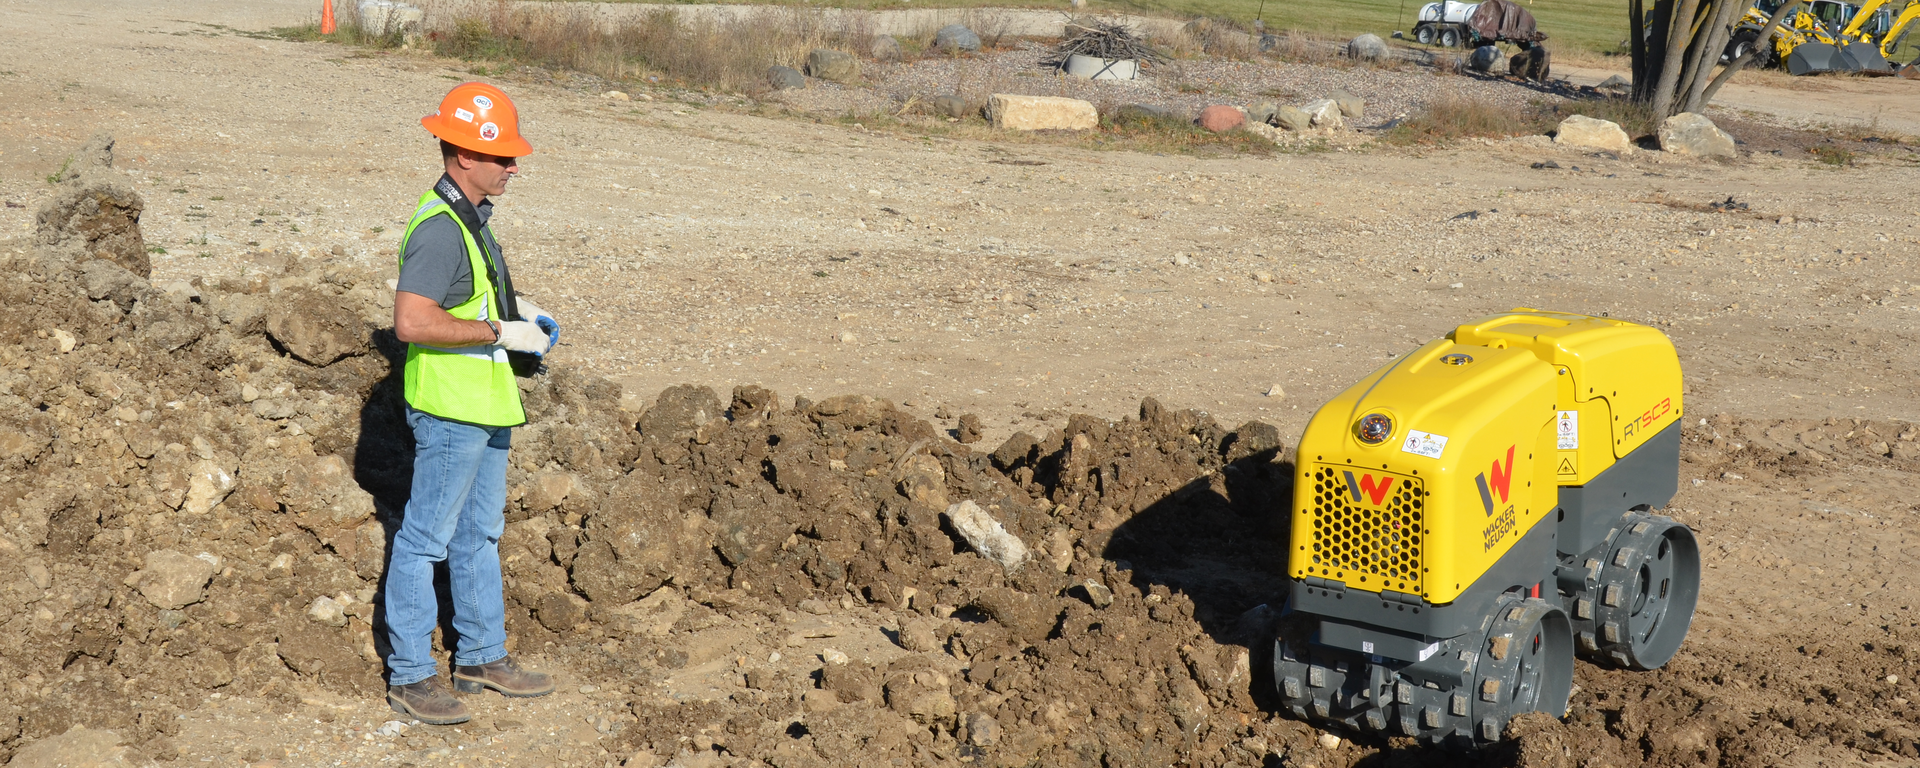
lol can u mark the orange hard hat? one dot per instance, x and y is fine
(479, 117)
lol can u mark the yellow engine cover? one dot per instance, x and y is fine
(1418, 478)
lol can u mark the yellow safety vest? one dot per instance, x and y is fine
(468, 384)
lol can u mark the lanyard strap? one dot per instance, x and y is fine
(501, 282)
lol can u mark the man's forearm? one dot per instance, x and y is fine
(420, 320)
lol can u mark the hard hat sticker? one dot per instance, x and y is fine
(489, 131)
(1569, 430)
(1424, 444)
(483, 103)
(463, 114)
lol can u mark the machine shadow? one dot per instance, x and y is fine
(1221, 540)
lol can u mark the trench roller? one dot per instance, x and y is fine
(1470, 517)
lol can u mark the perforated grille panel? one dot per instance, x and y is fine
(1367, 528)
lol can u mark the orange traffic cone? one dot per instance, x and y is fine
(326, 17)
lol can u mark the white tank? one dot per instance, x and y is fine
(1447, 12)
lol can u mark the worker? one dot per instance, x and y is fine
(455, 308)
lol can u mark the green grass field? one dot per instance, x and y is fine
(1596, 26)
(1589, 25)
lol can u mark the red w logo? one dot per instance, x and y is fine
(1501, 484)
(1375, 493)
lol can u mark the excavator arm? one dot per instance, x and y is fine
(1898, 32)
(1860, 18)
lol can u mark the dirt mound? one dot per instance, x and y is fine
(198, 485)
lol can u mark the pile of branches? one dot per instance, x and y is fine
(1103, 40)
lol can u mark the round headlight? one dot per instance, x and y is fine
(1374, 428)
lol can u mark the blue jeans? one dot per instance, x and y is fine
(455, 514)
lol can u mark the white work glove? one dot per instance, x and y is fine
(539, 317)
(528, 310)
(524, 336)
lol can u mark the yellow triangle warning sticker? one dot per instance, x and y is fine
(1566, 466)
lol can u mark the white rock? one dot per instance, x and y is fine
(328, 611)
(65, 340)
(391, 728)
(207, 485)
(172, 581)
(1591, 133)
(834, 656)
(1038, 113)
(617, 96)
(1276, 392)
(1325, 113)
(1694, 135)
(986, 535)
(1329, 741)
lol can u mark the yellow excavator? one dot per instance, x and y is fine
(1826, 36)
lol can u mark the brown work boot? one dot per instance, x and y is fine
(427, 701)
(503, 676)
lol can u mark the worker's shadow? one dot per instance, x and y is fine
(383, 467)
(1220, 540)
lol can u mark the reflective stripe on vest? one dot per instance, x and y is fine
(468, 384)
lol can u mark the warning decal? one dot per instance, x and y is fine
(1569, 431)
(1567, 466)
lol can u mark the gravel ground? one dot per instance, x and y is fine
(1183, 86)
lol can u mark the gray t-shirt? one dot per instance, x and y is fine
(435, 262)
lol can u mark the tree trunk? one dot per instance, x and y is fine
(1677, 43)
(1678, 38)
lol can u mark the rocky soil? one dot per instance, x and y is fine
(201, 451)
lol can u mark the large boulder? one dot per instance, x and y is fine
(1292, 118)
(1221, 118)
(1592, 133)
(1486, 58)
(829, 64)
(1351, 107)
(1039, 113)
(951, 105)
(1692, 134)
(884, 48)
(954, 38)
(784, 78)
(1261, 112)
(1325, 113)
(1368, 47)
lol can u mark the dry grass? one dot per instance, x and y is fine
(1452, 118)
(1212, 37)
(728, 55)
